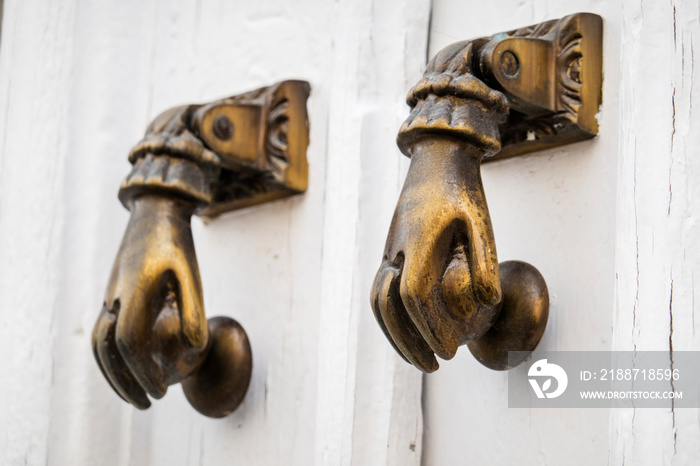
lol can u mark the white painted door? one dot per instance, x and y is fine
(79, 82)
(612, 225)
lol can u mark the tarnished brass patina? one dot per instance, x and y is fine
(440, 285)
(205, 160)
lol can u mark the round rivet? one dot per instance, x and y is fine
(510, 65)
(223, 128)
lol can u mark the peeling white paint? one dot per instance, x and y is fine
(658, 204)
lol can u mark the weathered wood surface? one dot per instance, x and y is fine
(79, 81)
(612, 225)
(658, 205)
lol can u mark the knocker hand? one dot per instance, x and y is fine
(152, 331)
(438, 285)
(203, 159)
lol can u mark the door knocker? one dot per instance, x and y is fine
(440, 285)
(203, 160)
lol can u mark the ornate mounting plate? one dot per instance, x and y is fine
(228, 154)
(551, 74)
(264, 156)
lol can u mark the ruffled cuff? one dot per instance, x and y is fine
(176, 176)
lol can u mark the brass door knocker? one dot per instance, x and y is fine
(440, 285)
(204, 160)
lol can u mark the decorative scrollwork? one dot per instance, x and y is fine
(570, 81)
(277, 142)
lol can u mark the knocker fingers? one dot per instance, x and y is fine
(422, 289)
(439, 292)
(470, 281)
(457, 285)
(395, 322)
(193, 321)
(134, 336)
(481, 249)
(111, 363)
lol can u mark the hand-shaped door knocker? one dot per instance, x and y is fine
(440, 285)
(204, 160)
